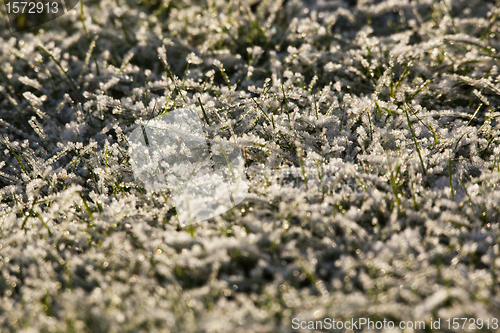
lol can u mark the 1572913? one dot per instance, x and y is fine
(471, 324)
(23, 7)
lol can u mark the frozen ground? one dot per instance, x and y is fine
(371, 136)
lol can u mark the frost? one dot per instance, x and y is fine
(367, 133)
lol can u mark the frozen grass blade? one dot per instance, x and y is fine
(415, 141)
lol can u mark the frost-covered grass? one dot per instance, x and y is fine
(371, 135)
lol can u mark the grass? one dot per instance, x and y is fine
(372, 153)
